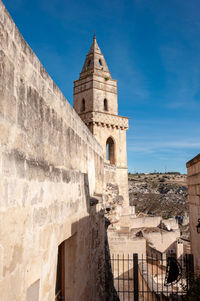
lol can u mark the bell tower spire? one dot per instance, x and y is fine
(95, 90)
(95, 62)
(95, 100)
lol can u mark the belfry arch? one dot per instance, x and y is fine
(83, 105)
(105, 104)
(110, 149)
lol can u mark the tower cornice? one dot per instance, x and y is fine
(105, 119)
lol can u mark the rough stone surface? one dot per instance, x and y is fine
(50, 164)
(113, 202)
(110, 291)
(193, 169)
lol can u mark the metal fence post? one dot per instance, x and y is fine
(189, 269)
(135, 267)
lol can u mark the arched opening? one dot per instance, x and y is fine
(83, 105)
(110, 147)
(105, 105)
(100, 62)
(89, 62)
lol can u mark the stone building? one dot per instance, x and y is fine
(193, 169)
(52, 231)
(54, 170)
(96, 102)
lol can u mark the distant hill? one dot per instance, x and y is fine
(159, 194)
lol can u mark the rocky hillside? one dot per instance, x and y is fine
(159, 194)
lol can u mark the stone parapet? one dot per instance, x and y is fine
(102, 119)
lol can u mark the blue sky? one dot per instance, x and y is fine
(152, 47)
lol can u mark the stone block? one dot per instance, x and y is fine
(8, 105)
(55, 174)
(29, 53)
(22, 114)
(34, 123)
(21, 104)
(3, 37)
(15, 259)
(8, 164)
(6, 73)
(2, 12)
(32, 98)
(22, 63)
(192, 189)
(4, 133)
(40, 216)
(19, 40)
(31, 169)
(43, 170)
(43, 73)
(8, 23)
(41, 109)
(25, 188)
(13, 50)
(20, 164)
(20, 141)
(66, 176)
(21, 89)
(4, 195)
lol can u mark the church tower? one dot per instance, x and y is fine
(95, 100)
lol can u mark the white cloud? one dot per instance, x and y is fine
(159, 146)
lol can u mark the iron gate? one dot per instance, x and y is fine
(151, 278)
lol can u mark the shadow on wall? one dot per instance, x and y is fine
(110, 291)
(83, 265)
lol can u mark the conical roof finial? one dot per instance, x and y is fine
(95, 61)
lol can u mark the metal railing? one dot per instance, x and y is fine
(151, 278)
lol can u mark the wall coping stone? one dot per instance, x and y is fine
(193, 161)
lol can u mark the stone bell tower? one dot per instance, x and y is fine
(95, 100)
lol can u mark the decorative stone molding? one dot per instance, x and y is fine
(108, 120)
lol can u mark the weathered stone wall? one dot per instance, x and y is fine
(161, 240)
(193, 168)
(103, 126)
(141, 222)
(121, 175)
(109, 173)
(48, 157)
(124, 243)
